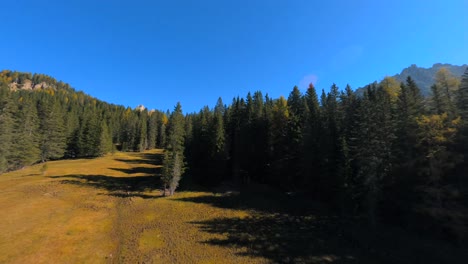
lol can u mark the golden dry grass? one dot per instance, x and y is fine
(66, 216)
(110, 210)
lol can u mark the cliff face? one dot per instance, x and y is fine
(27, 81)
(28, 85)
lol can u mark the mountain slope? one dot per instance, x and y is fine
(424, 77)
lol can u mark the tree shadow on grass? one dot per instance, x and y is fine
(145, 170)
(292, 229)
(117, 186)
(282, 229)
(283, 238)
(266, 202)
(145, 158)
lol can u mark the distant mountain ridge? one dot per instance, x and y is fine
(424, 77)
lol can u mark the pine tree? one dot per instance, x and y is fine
(297, 112)
(350, 106)
(311, 140)
(374, 153)
(129, 127)
(176, 130)
(176, 173)
(105, 141)
(25, 148)
(462, 108)
(174, 156)
(162, 139)
(438, 104)
(435, 133)
(142, 131)
(462, 98)
(446, 85)
(52, 130)
(330, 144)
(166, 175)
(280, 143)
(6, 127)
(152, 129)
(73, 133)
(409, 106)
(217, 132)
(89, 143)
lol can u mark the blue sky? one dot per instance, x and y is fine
(156, 53)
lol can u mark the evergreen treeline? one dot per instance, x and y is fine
(390, 153)
(54, 122)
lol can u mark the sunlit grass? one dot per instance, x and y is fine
(110, 210)
(61, 218)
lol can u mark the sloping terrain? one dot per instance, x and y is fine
(110, 210)
(424, 77)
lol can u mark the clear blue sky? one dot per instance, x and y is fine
(156, 53)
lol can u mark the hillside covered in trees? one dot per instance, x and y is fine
(44, 119)
(390, 155)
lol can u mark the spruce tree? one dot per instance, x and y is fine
(280, 143)
(105, 140)
(162, 136)
(447, 86)
(52, 130)
(462, 98)
(6, 127)
(409, 106)
(312, 127)
(297, 107)
(374, 153)
(176, 130)
(462, 108)
(174, 156)
(217, 132)
(25, 143)
(438, 104)
(142, 131)
(152, 129)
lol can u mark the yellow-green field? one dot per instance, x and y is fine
(90, 211)
(110, 210)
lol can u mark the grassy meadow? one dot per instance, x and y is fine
(110, 210)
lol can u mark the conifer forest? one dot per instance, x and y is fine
(383, 155)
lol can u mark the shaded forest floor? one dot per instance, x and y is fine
(110, 210)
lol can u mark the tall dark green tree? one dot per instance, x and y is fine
(297, 113)
(6, 127)
(409, 106)
(448, 85)
(174, 157)
(105, 140)
(162, 136)
(374, 153)
(25, 149)
(217, 132)
(280, 143)
(462, 98)
(52, 130)
(142, 131)
(152, 129)
(332, 181)
(312, 128)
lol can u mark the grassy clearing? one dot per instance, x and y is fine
(105, 210)
(110, 210)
